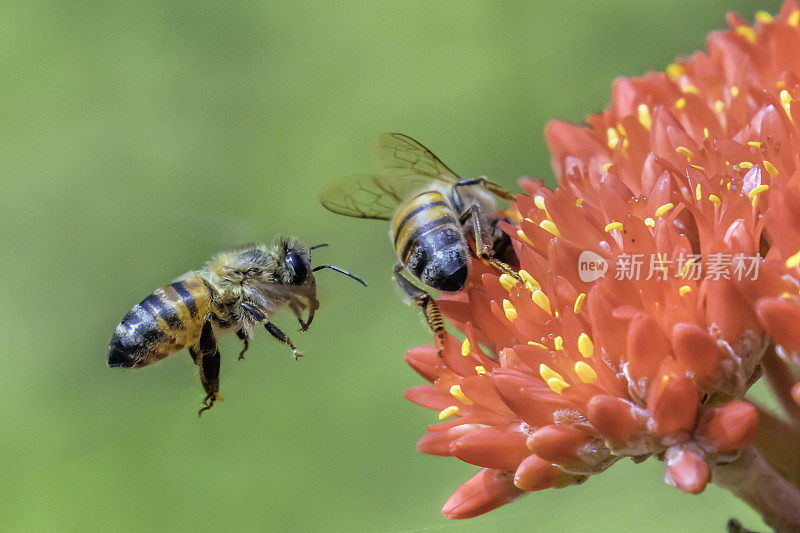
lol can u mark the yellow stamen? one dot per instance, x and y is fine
(780, 84)
(650, 222)
(507, 281)
(585, 372)
(728, 185)
(786, 295)
(548, 373)
(579, 303)
(685, 152)
(684, 290)
(549, 225)
(689, 262)
(480, 370)
(769, 167)
(538, 345)
(675, 71)
(698, 193)
(793, 261)
(690, 89)
(747, 32)
(734, 91)
(719, 106)
(747, 165)
(607, 166)
(521, 235)
(509, 310)
(680, 103)
(541, 299)
(664, 209)
(530, 283)
(465, 348)
(456, 391)
(754, 144)
(644, 116)
(714, 199)
(621, 129)
(698, 167)
(758, 190)
(557, 385)
(613, 138)
(763, 17)
(585, 345)
(538, 201)
(613, 225)
(558, 342)
(794, 18)
(449, 411)
(705, 133)
(786, 101)
(579, 202)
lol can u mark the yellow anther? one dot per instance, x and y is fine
(607, 166)
(714, 199)
(465, 348)
(747, 165)
(698, 192)
(550, 226)
(530, 283)
(541, 299)
(456, 391)
(689, 262)
(719, 105)
(793, 261)
(763, 17)
(780, 84)
(621, 129)
(650, 222)
(675, 71)
(754, 144)
(449, 411)
(509, 310)
(758, 190)
(585, 345)
(558, 342)
(769, 167)
(538, 201)
(579, 303)
(480, 370)
(705, 133)
(786, 101)
(644, 116)
(734, 91)
(664, 209)
(613, 138)
(746, 32)
(698, 167)
(585, 372)
(507, 281)
(548, 373)
(579, 202)
(786, 295)
(538, 345)
(794, 18)
(680, 103)
(690, 89)
(557, 385)
(684, 290)
(613, 225)
(685, 152)
(728, 185)
(521, 235)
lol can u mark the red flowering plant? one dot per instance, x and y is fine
(657, 283)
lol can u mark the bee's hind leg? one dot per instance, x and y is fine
(279, 335)
(430, 309)
(243, 337)
(207, 358)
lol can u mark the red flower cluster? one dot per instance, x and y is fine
(696, 163)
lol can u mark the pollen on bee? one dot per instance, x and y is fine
(548, 373)
(449, 411)
(662, 210)
(685, 152)
(585, 345)
(613, 225)
(541, 299)
(507, 281)
(579, 303)
(549, 225)
(456, 392)
(465, 348)
(557, 385)
(509, 310)
(793, 261)
(585, 372)
(684, 290)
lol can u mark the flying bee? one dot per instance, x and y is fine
(431, 212)
(233, 292)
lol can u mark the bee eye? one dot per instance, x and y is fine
(297, 266)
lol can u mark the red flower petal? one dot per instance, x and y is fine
(486, 490)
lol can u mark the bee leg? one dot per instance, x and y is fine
(276, 332)
(298, 313)
(430, 309)
(243, 337)
(484, 242)
(492, 187)
(207, 358)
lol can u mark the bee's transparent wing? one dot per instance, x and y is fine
(401, 155)
(370, 195)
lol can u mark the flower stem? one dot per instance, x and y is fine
(781, 378)
(756, 483)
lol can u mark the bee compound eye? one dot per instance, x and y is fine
(298, 267)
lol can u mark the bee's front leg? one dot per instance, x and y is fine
(484, 243)
(298, 312)
(279, 335)
(207, 358)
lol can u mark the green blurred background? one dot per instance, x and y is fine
(140, 138)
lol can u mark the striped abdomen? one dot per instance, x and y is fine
(429, 241)
(164, 322)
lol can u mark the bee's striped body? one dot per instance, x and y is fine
(166, 321)
(430, 242)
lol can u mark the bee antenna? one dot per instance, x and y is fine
(323, 245)
(341, 271)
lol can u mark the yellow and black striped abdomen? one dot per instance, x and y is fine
(429, 241)
(164, 322)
